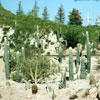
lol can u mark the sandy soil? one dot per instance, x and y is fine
(10, 90)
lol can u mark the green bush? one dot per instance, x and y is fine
(72, 35)
(37, 68)
(16, 76)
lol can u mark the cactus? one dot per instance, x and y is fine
(61, 85)
(77, 58)
(66, 43)
(60, 53)
(38, 42)
(15, 31)
(6, 58)
(34, 45)
(64, 80)
(83, 70)
(0, 45)
(22, 53)
(27, 85)
(71, 76)
(53, 95)
(88, 45)
(18, 56)
(48, 87)
(42, 45)
(58, 36)
(89, 57)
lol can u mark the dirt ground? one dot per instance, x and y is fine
(10, 90)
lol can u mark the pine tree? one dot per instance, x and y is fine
(20, 10)
(75, 18)
(60, 17)
(35, 9)
(45, 14)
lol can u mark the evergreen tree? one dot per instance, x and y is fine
(20, 10)
(35, 9)
(60, 17)
(75, 18)
(45, 14)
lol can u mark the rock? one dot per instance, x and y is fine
(99, 89)
(93, 93)
(29, 97)
(98, 97)
(73, 97)
(8, 83)
(0, 96)
(92, 79)
(23, 80)
(34, 89)
(84, 92)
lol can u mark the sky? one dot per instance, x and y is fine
(84, 6)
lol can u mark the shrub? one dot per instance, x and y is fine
(72, 35)
(48, 53)
(16, 76)
(36, 69)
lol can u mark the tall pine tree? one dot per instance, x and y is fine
(20, 10)
(35, 9)
(75, 18)
(60, 17)
(45, 14)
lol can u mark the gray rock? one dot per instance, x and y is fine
(73, 97)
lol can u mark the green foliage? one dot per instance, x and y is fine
(20, 10)
(5, 30)
(36, 69)
(26, 27)
(45, 14)
(6, 17)
(72, 35)
(16, 76)
(35, 9)
(75, 18)
(60, 17)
